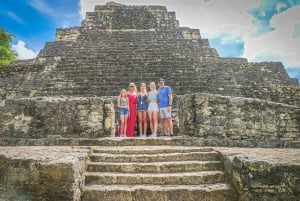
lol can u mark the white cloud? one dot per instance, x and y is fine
(65, 24)
(280, 6)
(88, 6)
(262, 13)
(296, 32)
(280, 43)
(42, 7)
(212, 18)
(15, 17)
(23, 52)
(231, 20)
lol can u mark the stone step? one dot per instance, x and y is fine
(149, 149)
(137, 141)
(183, 178)
(203, 156)
(108, 142)
(204, 192)
(155, 167)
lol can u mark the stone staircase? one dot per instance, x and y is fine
(155, 173)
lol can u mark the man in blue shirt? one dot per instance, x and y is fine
(165, 106)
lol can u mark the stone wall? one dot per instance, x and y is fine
(217, 120)
(45, 117)
(24, 77)
(263, 174)
(119, 16)
(42, 173)
(238, 121)
(70, 34)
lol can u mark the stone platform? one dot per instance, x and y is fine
(135, 168)
(160, 141)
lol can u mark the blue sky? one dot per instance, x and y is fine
(259, 30)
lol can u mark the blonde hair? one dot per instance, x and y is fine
(131, 83)
(144, 84)
(123, 90)
(120, 96)
(153, 84)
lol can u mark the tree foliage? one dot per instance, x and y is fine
(7, 55)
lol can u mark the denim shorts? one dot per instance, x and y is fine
(123, 111)
(142, 106)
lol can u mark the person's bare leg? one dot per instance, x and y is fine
(151, 120)
(144, 122)
(125, 125)
(140, 120)
(155, 122)
(165, 126)
(122, 123)
(170, 126)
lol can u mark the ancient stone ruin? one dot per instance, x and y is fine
(58, 117)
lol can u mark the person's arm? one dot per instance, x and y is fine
(118, 102)
(147, 95)
(128, 106)
(170, 96)
(170, 100)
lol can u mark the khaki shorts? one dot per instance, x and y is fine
(164, 114)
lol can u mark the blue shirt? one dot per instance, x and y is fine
(163, 94)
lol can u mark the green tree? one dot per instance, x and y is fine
(7, 55)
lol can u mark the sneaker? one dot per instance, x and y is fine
(153, 135)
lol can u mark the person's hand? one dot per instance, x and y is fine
(169, 108)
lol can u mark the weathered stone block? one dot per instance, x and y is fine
(41, 173)
(64, 117)
(238, 118)
(268, 174)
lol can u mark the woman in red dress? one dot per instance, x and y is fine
(132, 96)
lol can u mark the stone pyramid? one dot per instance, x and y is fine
(117, 44)
(59, 99)
(63, 92)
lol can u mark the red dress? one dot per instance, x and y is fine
(132, 115)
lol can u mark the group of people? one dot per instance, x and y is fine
(145, 106)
